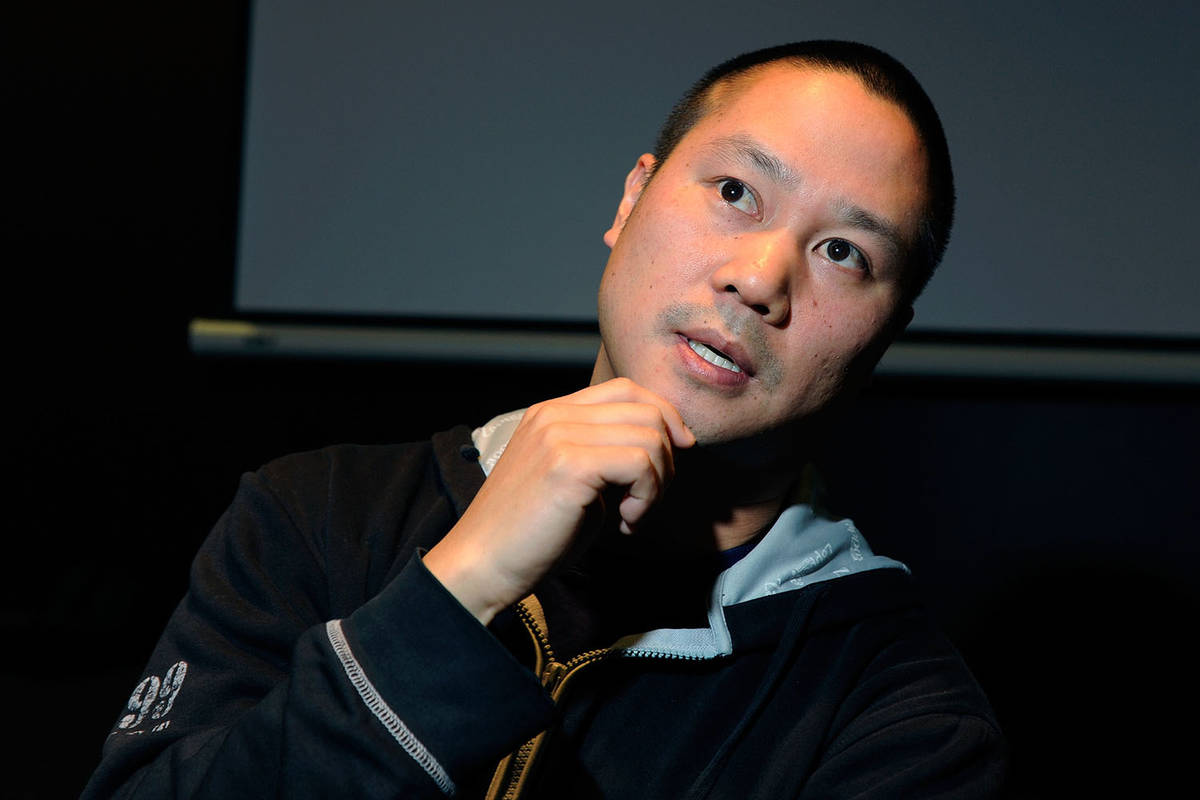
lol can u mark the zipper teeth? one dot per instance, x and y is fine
(656, 654)
(583, 658)
(523, 754)
(516, 769)
(538, 633)
(521, 757)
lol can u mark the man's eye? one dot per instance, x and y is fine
(738, 195)
(842, 252)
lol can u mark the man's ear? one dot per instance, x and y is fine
(635, 181)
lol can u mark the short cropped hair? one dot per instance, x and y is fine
(882, 75)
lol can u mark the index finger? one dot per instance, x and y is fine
(623, 390)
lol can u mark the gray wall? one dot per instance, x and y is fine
(462, 159)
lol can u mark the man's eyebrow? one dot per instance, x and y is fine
(746, 149)
(858, 217)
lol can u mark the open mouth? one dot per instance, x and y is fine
(713, 356)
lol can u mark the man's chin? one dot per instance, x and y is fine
(784, 446)
(745, 449)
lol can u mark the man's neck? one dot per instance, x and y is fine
(746, 522)
(718, 502)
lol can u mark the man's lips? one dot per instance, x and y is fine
(727, 331)
(720, 352)
(713, 356)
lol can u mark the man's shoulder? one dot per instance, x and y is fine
(370, 474)
(369, 463)
(902, 647)
(360, 510)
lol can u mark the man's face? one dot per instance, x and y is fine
(761, 272)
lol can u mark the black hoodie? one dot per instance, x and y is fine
(314, 656)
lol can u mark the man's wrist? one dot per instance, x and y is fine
(463, 581)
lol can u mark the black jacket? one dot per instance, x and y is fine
(314, 656)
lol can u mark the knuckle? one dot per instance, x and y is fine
(625, 384)
(650, 470)
(539, 411)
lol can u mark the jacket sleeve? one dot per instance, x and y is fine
(253, 691)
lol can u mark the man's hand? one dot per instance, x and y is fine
(562, 458)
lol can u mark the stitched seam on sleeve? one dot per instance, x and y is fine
(377, 706)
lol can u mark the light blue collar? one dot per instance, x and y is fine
(801, 548)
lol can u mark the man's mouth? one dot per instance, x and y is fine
(713, 356)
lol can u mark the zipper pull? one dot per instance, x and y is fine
(553, 675)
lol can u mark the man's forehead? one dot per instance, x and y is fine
(729, 88)
(765, 92)
(780, 108)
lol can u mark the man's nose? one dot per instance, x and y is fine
(759, 273)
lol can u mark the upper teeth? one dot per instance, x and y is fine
(712, 356)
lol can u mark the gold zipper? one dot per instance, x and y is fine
(509, 779)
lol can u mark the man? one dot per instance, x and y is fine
(645, 597)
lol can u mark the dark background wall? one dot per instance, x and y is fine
(1052, 525)
(386, 138)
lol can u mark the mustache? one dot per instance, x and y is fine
(745, 329)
